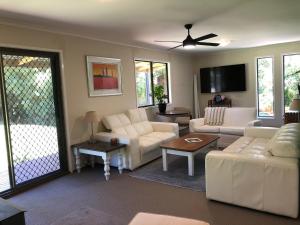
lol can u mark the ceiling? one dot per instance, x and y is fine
(241, 23)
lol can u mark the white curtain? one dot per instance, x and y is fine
(196, 98)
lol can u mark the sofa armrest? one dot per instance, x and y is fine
(196, 123)
(132, 154)
(261, 182)
(165, 127)
(260, 132)
(254, 123)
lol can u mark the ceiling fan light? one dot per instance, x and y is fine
(224, 42)
(189, 46)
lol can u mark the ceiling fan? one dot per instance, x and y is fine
(190, 42)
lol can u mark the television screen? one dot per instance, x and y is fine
(223, 79)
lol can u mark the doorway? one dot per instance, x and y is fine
(33, 142)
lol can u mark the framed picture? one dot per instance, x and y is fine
(104, 76)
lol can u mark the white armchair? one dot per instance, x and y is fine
(141, 136)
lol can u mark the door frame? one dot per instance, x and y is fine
(58, 95)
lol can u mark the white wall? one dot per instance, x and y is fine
(248, 56)
(73, 51)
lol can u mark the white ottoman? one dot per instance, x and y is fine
(156, 219)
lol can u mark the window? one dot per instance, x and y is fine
(148, 75)
(265, 86)
(291, 78)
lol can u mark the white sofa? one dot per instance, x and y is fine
(259, 170)
(233, 124)
(141, 136)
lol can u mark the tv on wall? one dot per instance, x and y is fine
(223, 79)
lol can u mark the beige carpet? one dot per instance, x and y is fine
(123, 197)
(88, 216)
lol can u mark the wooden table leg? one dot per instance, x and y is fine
(77, 159)
(92, 160)
(106, 159)
(164, 156)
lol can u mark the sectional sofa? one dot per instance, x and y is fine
(141, 136)
(259, 170)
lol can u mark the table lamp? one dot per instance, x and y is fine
(295, 106)
(91, 117)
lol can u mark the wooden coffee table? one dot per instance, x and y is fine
(181, 147)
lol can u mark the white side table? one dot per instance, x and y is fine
(105, 150)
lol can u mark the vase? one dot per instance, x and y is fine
(162, 107)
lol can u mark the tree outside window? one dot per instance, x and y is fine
(265, 93)
(148, 75)
(291, 76)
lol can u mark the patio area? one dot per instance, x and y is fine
(35, 153)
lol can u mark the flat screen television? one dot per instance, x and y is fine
(223, 79)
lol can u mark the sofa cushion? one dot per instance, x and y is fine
(232, 130)
(116, 120)
(137, 115)
(239, 116)
(257, 147)
(214, 115)
(206, 128)
(163, 136)
(143, 128)
(286, 141)
(148, 143)
(239, 145)
(128, 130)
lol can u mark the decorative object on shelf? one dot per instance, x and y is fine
(104, 76)
(219, 101)
(218, 98)
(91, 117)
(114, 141)
(160, 96)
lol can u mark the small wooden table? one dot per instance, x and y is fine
(10, 214)
(175, 113)
(181, 147)
(103, 149)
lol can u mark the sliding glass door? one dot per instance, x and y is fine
(4, 165)
(34, 116)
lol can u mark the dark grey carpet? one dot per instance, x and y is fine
(88, 216)
(123, 197)
(177, 174)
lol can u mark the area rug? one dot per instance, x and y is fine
(177, 174)
(88, 216)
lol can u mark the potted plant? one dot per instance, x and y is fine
(160, 97)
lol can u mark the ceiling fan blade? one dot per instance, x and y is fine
(205, 37)
(175, 47)
(208, 43)
(169, 41)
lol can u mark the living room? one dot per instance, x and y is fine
(130, 32)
